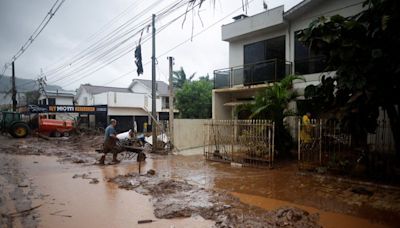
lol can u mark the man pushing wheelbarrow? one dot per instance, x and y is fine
(127, 145)
(110, 143)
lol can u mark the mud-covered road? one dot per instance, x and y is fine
(56, 184)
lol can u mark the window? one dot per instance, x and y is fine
(264, 61)
(52, 101)
(308, 61)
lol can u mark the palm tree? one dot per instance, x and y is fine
(179, 78)
(272, 103)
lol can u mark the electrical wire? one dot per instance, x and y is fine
(119, 56)
(39, 29)
(183, 42)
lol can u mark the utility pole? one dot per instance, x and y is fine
(171, 102)
(153, 84)
(14, 89)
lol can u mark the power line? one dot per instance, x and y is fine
(97, 46)
(118, 45)
(109, 39)
(183, 42)
(131, 49)
(39, 29)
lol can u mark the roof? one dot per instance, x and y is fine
(102, 89)
(162, 87)
(60, 93)
(301, 7)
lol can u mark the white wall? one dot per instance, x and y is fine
(100, 99)
(188, 133)
(247, 26)
(81, 98)
(125, 111)
(64, 100)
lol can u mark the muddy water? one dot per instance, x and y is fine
(283, 186)
(73, 202)
(327, 219)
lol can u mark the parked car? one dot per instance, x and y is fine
(36, 109)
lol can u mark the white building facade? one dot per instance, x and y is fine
(263, 49)
(131, 106)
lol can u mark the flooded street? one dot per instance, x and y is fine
(65, 194)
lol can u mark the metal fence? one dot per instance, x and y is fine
(322, 143)
(242, 142)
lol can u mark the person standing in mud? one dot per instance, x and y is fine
(110, 143)
(305, 134)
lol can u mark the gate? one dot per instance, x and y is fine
(242, 142)
(320, 142)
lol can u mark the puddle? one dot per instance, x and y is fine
(73, 202)
(332, 199)
(326, 219)
(76, 203)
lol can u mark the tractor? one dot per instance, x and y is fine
(11, 122)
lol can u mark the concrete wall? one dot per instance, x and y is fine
(249, 26)
(219, 111)
(64, 100)
(85, 98)
(125, 111)
(188, 133)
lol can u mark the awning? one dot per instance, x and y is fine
(237, 103)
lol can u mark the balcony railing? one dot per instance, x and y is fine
(271, 70)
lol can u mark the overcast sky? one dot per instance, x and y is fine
(72, 28)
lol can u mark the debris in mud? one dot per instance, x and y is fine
(173, 199)
(94, 181)
(151, 172)
(86, 176)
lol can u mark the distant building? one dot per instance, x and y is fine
(58, 97)
(129, 106)
(23, 86)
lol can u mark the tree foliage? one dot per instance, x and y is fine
(193, 100)
(179, 78)
(272, 103)
(364, 51)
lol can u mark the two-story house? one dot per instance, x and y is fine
(130, 106)
(263, 48)
(58, 97)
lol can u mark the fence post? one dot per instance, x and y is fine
(298, 139)
(273, 142)
(320, 141)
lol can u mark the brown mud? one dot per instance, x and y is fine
(175, 199)
(193, 187)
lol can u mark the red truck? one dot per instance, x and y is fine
(56, 128)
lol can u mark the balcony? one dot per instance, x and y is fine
(271, 70)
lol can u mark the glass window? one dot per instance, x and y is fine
(254, 52)
(308, 61)
(52, 101)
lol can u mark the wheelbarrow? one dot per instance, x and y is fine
(128, 152)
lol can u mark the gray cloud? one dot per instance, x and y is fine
(77, 20)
